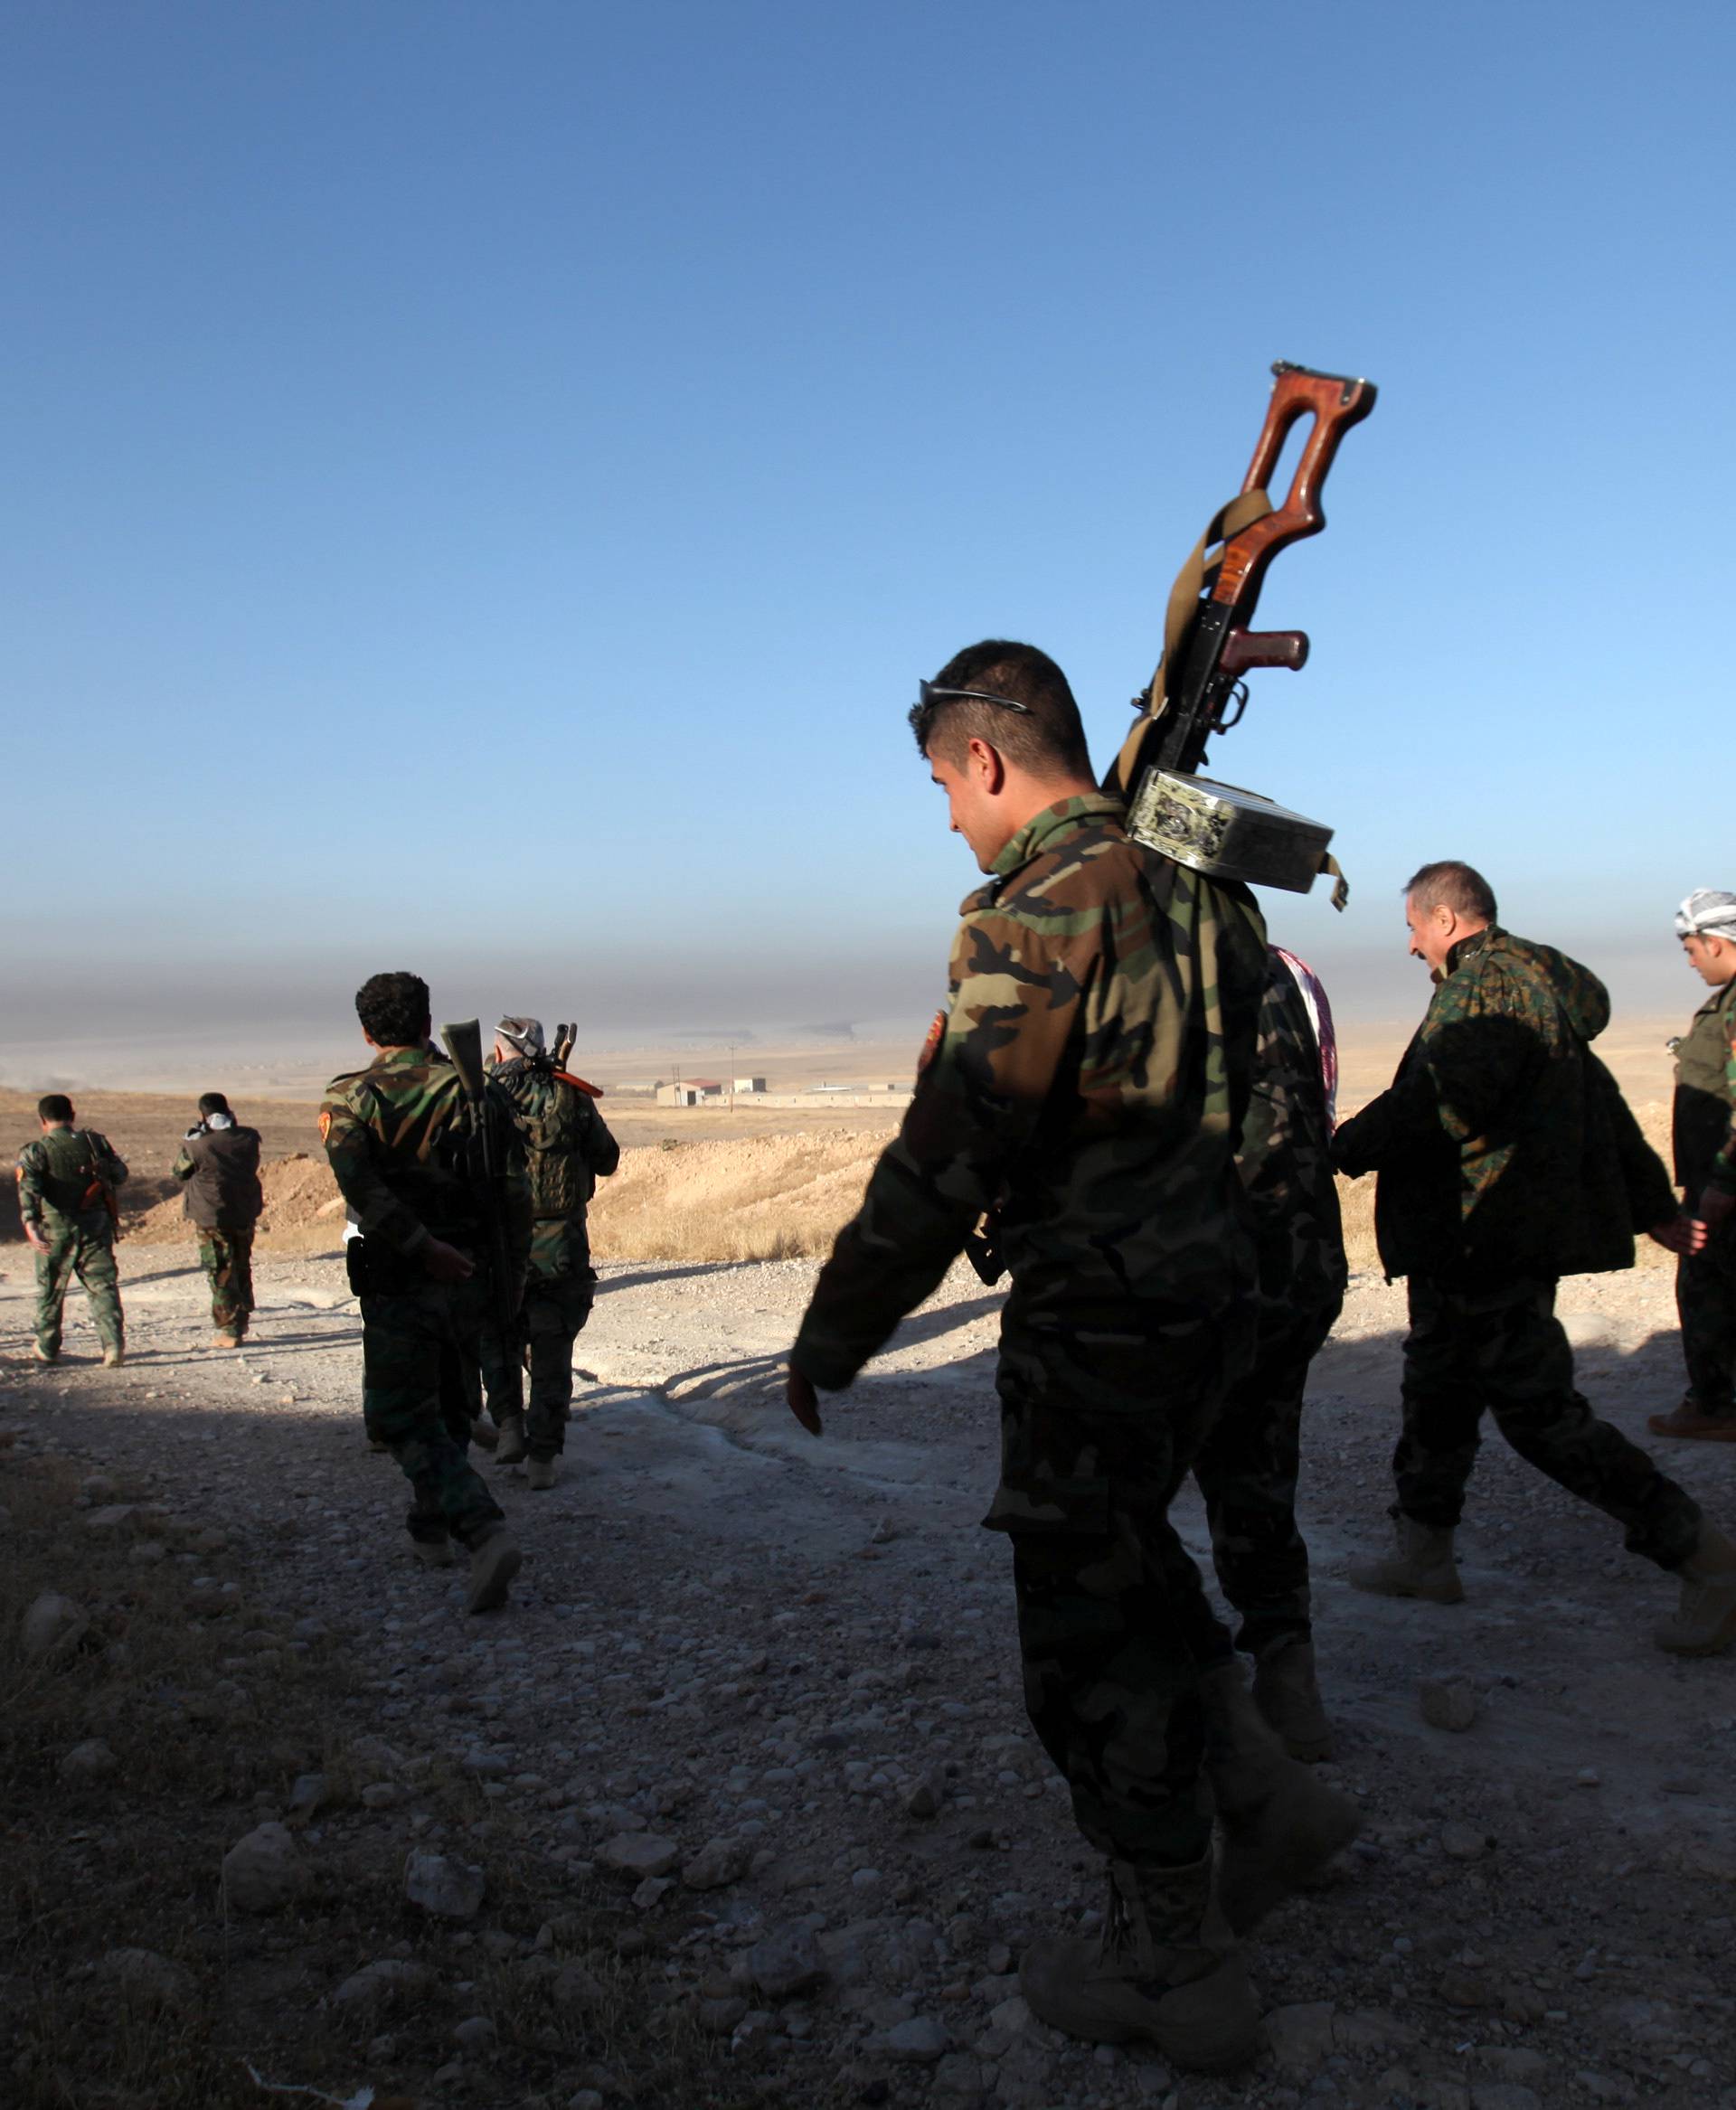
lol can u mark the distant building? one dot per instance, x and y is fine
(691, 1091)
(750, 1084)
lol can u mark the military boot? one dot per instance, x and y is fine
(1421, 1564)
(1705, 1619)
(494, 1561)
(113, 1356)
(1287, 1693)
(509, 1445)
(539, 1475)
(44, 1354)
(1165, 1971)
(432, 1552)
(1279, 1824)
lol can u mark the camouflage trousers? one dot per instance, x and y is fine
(550, 1320)
(1504, 1350)
(91, 1256)
(1247, 1470)
(1097, 1436)
(419, 1374)
(227, 1258)
(1706, 1303)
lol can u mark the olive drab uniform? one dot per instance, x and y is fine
(1508, 1158)
(400, 1138)
(1703, 1126)
(1248, 1468)
(219, 1164)
(567, 1149)
(66, 1182)
(1089, 1079)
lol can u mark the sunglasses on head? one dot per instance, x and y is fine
(928, 695)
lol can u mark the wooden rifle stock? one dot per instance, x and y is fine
(1207, 644)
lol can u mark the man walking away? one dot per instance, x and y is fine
(1703, 1138)
(567, 1148)
(1508, 1158)
(67, 1178)
(219, 1162)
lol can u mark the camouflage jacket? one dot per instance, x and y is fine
(1286, 1159)
(567, 1148)
(1088, 1075)
(1504, 1147)
(399, 1140)
(61, 1176)
(1704, 1119)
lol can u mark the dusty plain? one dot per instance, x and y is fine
(744, 1766)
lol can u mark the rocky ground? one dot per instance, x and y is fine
(752, 1728)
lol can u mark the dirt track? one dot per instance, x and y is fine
(726, 1630)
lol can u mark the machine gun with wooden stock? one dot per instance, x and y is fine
(1199, 690)
(486, 1165)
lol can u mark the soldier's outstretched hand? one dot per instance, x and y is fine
(1680, 1235)
(804, 1401)
(445, 1263)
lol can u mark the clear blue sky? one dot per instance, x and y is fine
(481, 483)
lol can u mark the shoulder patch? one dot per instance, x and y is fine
(325, 1123)
(937, 1033)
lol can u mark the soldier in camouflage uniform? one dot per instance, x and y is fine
(1247, 1468)
(1705, 1140)
(66, 1179)
(400, 1139)
(567, 1148)
(219, 1162)
(1507, 1159)
(1086, 1082)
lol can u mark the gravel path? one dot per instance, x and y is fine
(771, 1683)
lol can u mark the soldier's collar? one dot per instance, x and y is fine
(401, 1057)
(1040, 830)
(1467, 948)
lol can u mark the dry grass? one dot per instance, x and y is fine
(211, 1713)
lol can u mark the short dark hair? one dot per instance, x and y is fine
(213, 1103)
(1452, 884)
(1045, 738)
(394, 1010)
(54, 1106)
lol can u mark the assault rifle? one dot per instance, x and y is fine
(559, 1054)
(1198, 690)
(99, 1194)
(464, 1045)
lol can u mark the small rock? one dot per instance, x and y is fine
(924, 1799)
(639, 1853)
(149, 1979)
(388, 1978)
(1448, 1703)
(1462, 1843)
(449, 1890)
(719, 1862)
(573, 1986)
(381, 1794)
(1300, 2036)
(474, 2033)
(53, 1627)
(958, 2074)
(88, 1761)
(1505, 2095)
(309, 1794)
(647, 1893)
(265, 1871)
(786, 1961)
(719, 2017)
(1461, 1988)
(917, 2042)
(1588, 1777)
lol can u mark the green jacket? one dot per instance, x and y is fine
(567, 1148)
(1504, 1147)
(1088, 1078)
(401, 1150)
(60, 1175)
(1703, 1117)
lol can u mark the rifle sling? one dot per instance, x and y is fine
(1194, 579)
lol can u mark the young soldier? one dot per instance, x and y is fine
(1508, 1158)
(1703, 1128)
(220, 1162)
(399, 1136)
(1088, 1079)
(567, 1148)
(66, 1182)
